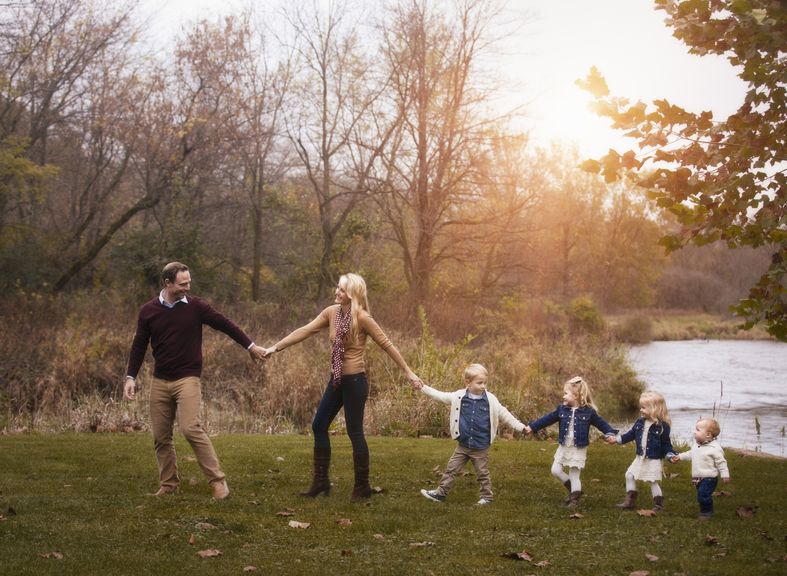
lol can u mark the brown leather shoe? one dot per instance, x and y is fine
(220, 490)
(164, 491)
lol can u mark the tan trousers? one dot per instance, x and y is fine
(180, 399)
(480, 460)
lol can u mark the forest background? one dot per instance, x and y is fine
(271, 158)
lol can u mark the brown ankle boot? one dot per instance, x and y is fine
(361, 465)
(658, 503)
(567, 484)
(630, 501)
(573, 499)
(320, 480)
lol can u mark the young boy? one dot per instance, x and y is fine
(707, 464)
(475, 415)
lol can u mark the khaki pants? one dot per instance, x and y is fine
(182, 399)
(480, 460)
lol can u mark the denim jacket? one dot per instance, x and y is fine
(584, 416)
(658, 445)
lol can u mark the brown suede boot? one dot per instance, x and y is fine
(567, 484)
(658, 503)
(320, 481)
(573, 499)
(630, 501)
(361, 489)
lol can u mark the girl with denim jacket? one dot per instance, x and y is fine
(651, 434)
(575, 415)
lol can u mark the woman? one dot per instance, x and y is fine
(349, 324)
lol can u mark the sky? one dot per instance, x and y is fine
(561, 40)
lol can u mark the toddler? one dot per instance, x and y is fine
(475, 415)
(576, 415)
(651, 434)
(707, 464)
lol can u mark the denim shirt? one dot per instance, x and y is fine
(658, 445)
(474, 424)
(584, 417)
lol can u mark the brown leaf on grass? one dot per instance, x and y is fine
(723, 493)
(423, 544)
(204, 526)
(344, 522)
(577, 516)
(523, 555)
(745, 512)
(640, 573)
(249, 568)
(647, 513)
(209, 553)
(543, 563)
(296, 524)
(673, 475)
(52, 555)
(378, 537)
(192, 540)
(652, 557)
(594, 480)
(347, 552)
(378, 489)
(190, 459)
(721, 554)
(287, 512)
(711, 540)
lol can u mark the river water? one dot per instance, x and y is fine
(739, 382)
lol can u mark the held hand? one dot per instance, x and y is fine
(527, 429)
(129, 389)
(257, 353)
(415, 381)
(268, 351)
(610, 440)
(674, 459)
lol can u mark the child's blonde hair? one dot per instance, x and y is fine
(656, 405)
(474, 370)
(711, 425)
(581, 391)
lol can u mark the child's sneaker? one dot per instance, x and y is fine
(483, 502)
(433, 495)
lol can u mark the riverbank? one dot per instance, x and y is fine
(642, 326)
(76, 504)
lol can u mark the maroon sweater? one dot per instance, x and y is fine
(175, 335)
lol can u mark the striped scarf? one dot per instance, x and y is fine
(337, 353)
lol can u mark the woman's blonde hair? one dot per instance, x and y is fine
(581, 390)
(656, 405)
(355, 288)
(474, 370)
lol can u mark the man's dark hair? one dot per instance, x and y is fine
(171, 270)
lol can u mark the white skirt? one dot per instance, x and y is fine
(571, 456)
(646, 469)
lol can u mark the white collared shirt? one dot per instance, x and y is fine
(167, 304)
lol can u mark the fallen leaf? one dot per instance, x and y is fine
(204, 526)
(378, 537)
(377, 489)
(523, 555)
(673, 475)
(576, 516)
(53, 555)
(640, 573)
(711, 540)
(723, 493)
(595, 479)
(347, 552)
(279, 458)
(296, 524)
(421, 544)
(652, 557)
(190, 459)
(648, 513)
(209, 553)
(745, 512)
(287, 512)
(192, 540)
(344, 522)
(721, 554)
(249, 568)
(543, 563)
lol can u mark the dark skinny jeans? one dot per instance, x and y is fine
(351, 394)
(705, 488)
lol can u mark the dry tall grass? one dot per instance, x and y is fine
(64, 358)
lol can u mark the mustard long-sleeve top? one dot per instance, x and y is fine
(353, 349)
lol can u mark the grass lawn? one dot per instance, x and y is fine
(84, 497)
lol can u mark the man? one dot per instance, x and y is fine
(172, 324)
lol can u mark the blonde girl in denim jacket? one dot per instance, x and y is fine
(576, 415)
(651, 435)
